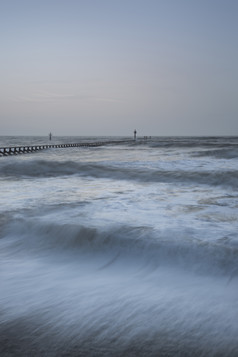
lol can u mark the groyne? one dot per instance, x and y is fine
(24, 149)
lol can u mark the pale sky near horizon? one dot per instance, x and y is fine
(106, 67)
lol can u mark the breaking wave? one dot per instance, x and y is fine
(121, 291)
(228, 178)
(219, 153)
(143, 246)
(41, 169)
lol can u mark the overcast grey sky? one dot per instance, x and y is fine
(106, 67)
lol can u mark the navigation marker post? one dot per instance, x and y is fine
(135, 134)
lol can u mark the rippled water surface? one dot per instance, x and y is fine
(126, 249)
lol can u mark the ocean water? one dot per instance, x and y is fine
(120, 250)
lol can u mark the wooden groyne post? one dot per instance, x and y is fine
(135, 135)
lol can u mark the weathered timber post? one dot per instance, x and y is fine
(135, 134)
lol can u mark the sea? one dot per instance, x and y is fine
(126, 249)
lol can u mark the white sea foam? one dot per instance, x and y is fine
(127, 250)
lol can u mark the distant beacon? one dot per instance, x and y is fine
(135, 134)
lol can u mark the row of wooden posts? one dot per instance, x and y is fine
(16, 150)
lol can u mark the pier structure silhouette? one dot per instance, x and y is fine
(24, 149)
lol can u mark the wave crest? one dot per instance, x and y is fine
(140, 246)
(47, 169)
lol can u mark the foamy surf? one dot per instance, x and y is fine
(105, 254)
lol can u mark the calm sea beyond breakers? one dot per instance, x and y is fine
(126, 249)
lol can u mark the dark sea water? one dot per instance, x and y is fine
(120, 250)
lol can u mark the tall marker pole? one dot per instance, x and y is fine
(135, 135)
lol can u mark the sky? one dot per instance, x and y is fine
(107, 67)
